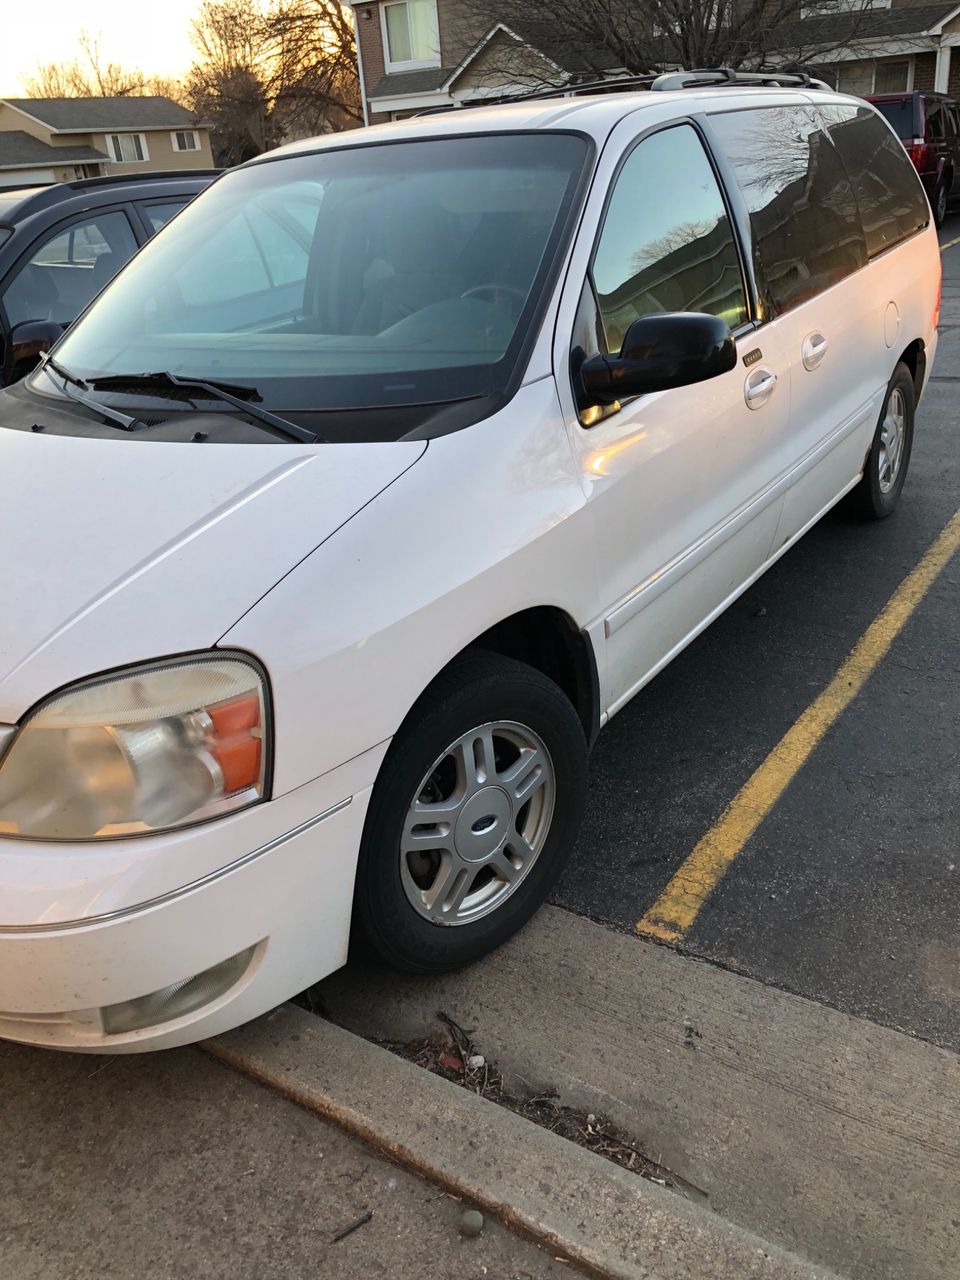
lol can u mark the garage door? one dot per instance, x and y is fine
(25, 177)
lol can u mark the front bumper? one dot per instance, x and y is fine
(289, 900)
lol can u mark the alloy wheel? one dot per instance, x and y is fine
(478, 823)
(893, 434)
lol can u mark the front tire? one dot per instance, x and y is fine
(878, 492)
(473, 817)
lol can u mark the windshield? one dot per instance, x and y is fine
(899, 114)
(372, 277)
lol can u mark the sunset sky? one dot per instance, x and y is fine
(47, 31)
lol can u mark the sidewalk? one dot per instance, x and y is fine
(172, 1166)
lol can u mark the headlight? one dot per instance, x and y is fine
(155, 747)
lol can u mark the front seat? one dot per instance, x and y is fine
(414, 270)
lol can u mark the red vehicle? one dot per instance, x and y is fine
(929, 127)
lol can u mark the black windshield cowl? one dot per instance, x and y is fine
(230, 393)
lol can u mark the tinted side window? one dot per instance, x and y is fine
(158, 215)
(69, 268)
(666, 243)
(803, 212)
(936, 125)
(891, 199)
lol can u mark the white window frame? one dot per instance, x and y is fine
(390, 64)
(117, 134)
(188, 133)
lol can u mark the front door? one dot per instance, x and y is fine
(678, 482)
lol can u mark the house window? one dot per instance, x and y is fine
(891, 76)
(127, 148)
(888, 75)
(410, 33)
(185, 140)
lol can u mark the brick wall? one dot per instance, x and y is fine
(953, 84)
(924, 70)
(370, 40)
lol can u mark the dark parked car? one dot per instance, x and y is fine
(59, 246)
(929, 128)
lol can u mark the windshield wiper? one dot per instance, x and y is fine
(49, 366)
(238, 396)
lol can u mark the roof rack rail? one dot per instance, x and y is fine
(698, 78)
(707, 77)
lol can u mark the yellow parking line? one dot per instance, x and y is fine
(950, 243)
(677, 907)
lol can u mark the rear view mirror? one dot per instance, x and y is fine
(28, 342)
(670, 349)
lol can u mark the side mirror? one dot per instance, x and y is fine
(28, 341)
(670, 349)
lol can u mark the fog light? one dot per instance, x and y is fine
(177, 1000)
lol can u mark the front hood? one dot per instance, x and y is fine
(115, 551)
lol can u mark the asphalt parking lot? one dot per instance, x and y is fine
(848, 892)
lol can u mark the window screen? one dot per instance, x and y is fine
(803, 212)
(666, 243)
(891, 199)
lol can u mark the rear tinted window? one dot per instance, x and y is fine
(891, 199)
(803, 212)
(900, 116)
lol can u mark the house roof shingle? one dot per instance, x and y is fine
(834, 28)
(425, 80)
(20, 149)
(81, 114)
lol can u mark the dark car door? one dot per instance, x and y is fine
(64, 267)
(953, 143)
(940, 139)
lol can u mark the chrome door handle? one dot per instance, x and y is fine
(759, 387)
(814, 348)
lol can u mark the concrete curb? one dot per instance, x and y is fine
(607, 1220)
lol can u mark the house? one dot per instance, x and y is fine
(417, 54)
(44, 140)
(880, 46)
(420, 54)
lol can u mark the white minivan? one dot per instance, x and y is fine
(361, 499)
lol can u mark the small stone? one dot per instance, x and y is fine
(476, 1062)
(391, 1184)
(471, 1223)
(591, 1119)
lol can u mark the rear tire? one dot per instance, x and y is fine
(940, 200)
(472, 818)
(878, 492)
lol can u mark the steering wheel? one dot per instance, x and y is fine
(495, 287)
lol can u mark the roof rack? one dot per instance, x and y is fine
(707, 77)
(661, 82)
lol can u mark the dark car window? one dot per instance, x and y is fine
(68, 268)
(803, 213)
(891, 199)
(666, 243)
(158, 215)
(936, 122)
(900, 115)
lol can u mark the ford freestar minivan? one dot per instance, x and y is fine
(380, 480)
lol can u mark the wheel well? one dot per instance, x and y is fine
(915, 358)
(547, 639)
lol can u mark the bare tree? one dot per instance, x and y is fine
(586, 39)
(266, 73)
(314, 64)
(90, 76)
